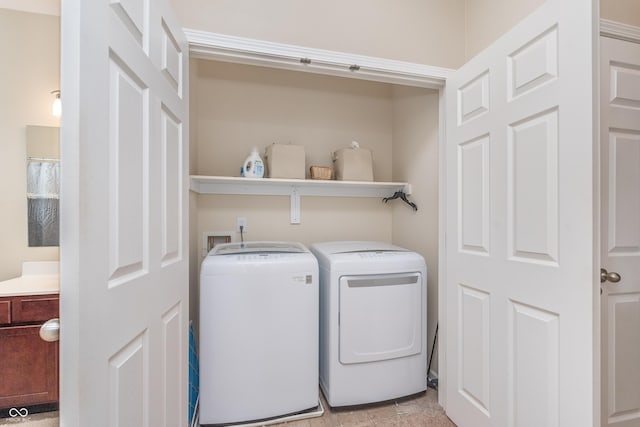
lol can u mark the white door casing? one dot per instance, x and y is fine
(620, 230)
(520, 242)
(124, 236)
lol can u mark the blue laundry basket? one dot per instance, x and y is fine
(194, 376)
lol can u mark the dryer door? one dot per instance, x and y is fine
(380, 317)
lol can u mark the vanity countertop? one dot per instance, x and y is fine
(30, 285)
(38, 278)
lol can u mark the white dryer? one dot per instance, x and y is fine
(258, 332)
(373, 322)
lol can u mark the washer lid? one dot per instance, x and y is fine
(258, 247)
(343, 247)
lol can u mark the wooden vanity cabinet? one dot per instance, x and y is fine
(28, 364)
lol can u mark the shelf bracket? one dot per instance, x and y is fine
(295, 205)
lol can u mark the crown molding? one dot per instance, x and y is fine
(206, 45)
(618, 30)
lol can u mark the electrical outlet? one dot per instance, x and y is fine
(241, 222)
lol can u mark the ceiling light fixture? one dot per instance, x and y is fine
(56, 107)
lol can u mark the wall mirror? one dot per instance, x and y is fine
(43, 185)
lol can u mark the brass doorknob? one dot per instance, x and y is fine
(50, 330)
(612, 277)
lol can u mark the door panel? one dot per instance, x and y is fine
(624, 197)
(474, 381)
(124, 273)
(532, 188)
(533, 65)
(624, 84)
(533, 366)
(620, 216)
(474, 195)
(520, 274)
(172, 149)
(129, 133)
(172, 59)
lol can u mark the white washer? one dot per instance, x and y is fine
(258, 332)
(373, 322)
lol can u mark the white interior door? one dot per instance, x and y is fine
(521, 288)
(124, 275)
(620, 201)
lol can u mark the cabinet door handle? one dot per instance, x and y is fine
(50, 330)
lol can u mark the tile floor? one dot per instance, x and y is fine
(421, 410)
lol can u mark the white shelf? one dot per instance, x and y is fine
(285, 187)
(294, 188)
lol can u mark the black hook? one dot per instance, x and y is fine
(402, 196)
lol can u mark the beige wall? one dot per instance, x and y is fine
(30, 56)
(625, 11)
(486, 20)
(415, 160)
(239, 107)
(421, 31)
(322, 218)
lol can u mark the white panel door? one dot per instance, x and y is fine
(521, 288)
(620, 205)
(124, 187)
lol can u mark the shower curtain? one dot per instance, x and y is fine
(43, 188)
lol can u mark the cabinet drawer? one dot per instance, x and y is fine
(5, 312)
(36, 308)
